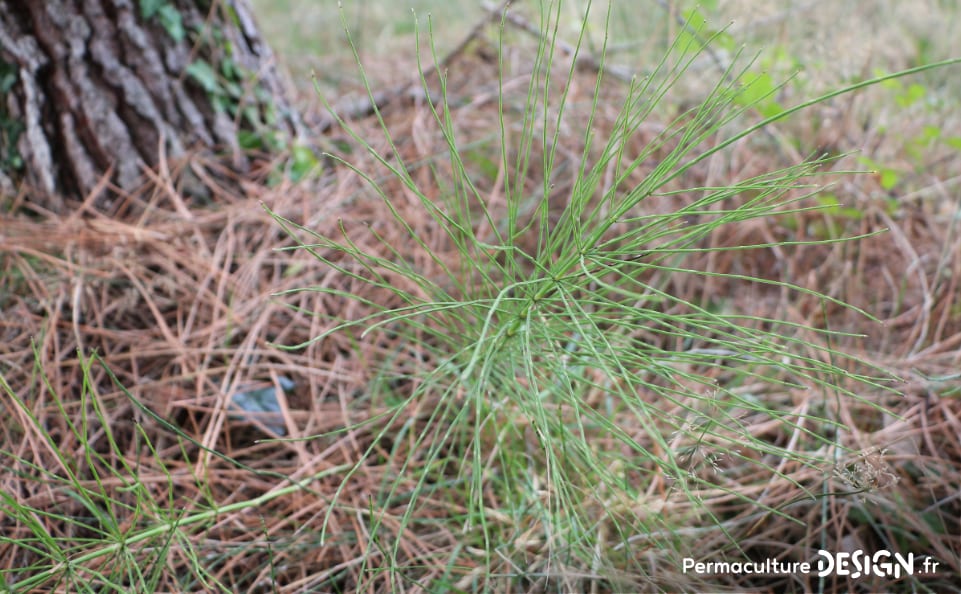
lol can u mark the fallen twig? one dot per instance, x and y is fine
(374, 102)
(581, 58)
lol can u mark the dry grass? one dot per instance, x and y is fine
(184, 302)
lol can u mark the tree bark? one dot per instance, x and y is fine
(90, 88)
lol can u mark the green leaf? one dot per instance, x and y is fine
(694, 18)
(404, 28)
(233, 90)
(220, 104)
(8, 76)
(229, 69)
(759, 93)
(172, 22)
(912, 94)
(148, 8)
(889, 178)
(249, 140)
(832, 205)
(251, 115)
(303, 161)
(205, 77)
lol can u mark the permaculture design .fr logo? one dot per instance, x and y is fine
(855, 564)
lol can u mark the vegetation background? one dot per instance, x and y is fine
(136, 352)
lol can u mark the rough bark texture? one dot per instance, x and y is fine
(91, 86)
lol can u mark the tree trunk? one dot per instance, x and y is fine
(90, 88)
